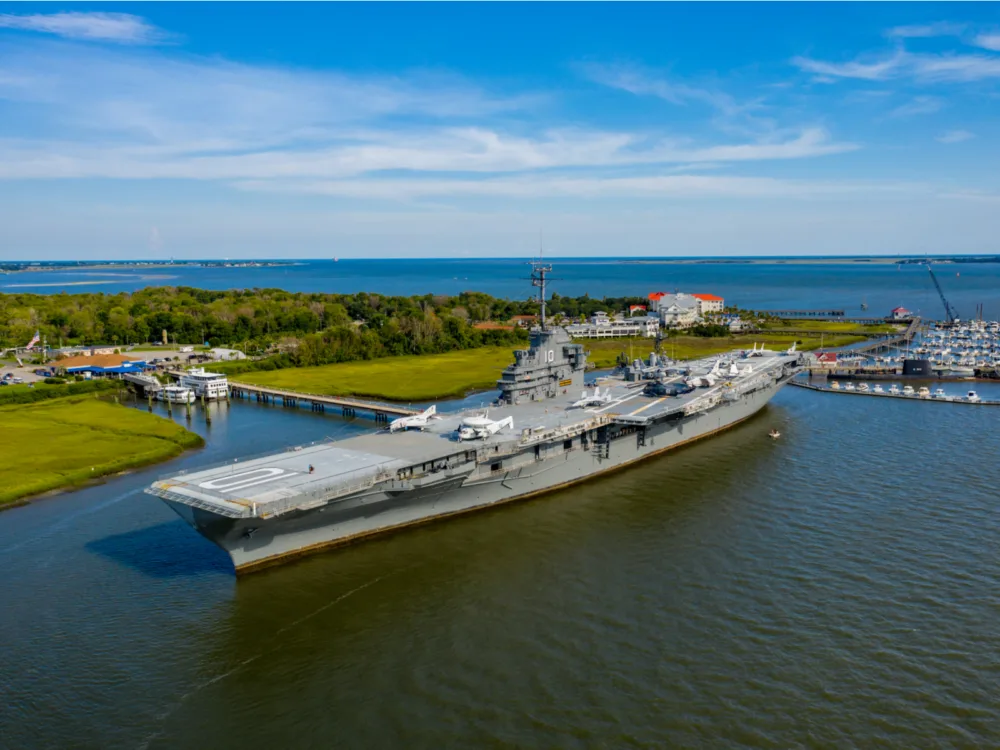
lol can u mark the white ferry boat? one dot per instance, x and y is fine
(210, 385)
(176, 394)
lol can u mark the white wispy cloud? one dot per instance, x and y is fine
(643, 82)
(941, 28)
(943, 68)
(473, 150)
(746, 117)
(865, 69)
(918, 105)
(955, 136)
(536, 187)
(114, 114)
(121, 28)
(988, 41)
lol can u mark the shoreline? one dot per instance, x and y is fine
(97, 479)
(78, 432)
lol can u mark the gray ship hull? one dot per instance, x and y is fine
(256, 542)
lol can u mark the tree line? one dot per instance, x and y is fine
(295, 328)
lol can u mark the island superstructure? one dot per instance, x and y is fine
(544, 432)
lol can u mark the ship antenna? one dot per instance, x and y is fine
(538, 271)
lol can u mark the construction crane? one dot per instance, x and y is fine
(950, 313)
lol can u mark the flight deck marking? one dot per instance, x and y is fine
(643, 408)
(619, 401)
(244, 479)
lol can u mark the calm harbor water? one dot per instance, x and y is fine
(846, 286)
(835, 588)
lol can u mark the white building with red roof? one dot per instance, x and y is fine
(709, 303)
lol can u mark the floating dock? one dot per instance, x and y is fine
(904, 396)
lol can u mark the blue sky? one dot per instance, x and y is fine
(392, 130)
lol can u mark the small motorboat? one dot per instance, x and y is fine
(849, 387)
(894, 389)
(924, 392)
(939, 393)
(176, 394)
(972, 397)
(908, 390)
(834, 386)
(878, 389)
(863, 388)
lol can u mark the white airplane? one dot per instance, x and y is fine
(595, 399)
(474, 428)
(414, 421)
(791, 349)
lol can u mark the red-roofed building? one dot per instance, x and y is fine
(656, 296)
(900, 313)
(709, 303)
(633, 309)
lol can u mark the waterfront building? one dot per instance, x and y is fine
(681, 310)
(100, 365)
(709, 303)
(602, 326)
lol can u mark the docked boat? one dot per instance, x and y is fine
(939, 393)
(878, 389)
(834, 386)
(208, 385)
(924, 392)
(972, 397)
(863, 388)
(849, 387)
(908, 390)
(894, 390)
(176, 394)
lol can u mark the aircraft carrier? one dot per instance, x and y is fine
(545, 432)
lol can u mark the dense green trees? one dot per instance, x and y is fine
(298, 328)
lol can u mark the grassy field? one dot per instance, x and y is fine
(402, 379)
(831, 326)
(435, 376)
(68, 441)
(604, 352)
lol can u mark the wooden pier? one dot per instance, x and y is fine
(349, 407)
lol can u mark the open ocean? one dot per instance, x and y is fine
(769, 285)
